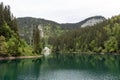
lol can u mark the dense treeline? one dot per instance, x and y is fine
(7, 19)
(103, 37)
(10, 42)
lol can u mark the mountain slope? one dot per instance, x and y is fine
(47, 28)
(50, 28)
(87, 22)
(100, 38)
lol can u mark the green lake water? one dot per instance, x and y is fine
(72, 67)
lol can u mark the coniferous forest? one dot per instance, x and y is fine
(34, 48)
(103, 37)
(10, 42)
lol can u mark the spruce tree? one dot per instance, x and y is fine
(36, 40)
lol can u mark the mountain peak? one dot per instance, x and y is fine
(92, 21)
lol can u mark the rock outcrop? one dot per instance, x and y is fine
(46, 51)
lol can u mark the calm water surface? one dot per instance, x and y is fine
(82, 67)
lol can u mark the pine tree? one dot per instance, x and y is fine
(37, 41)
(1, 17)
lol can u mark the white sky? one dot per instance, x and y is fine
(63, 11)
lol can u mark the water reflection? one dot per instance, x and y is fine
(107, 62)
(19, 69)
(62, 67)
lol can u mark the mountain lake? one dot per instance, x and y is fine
(67, 67)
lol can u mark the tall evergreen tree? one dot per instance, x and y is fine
(37, 41)
(1, 17)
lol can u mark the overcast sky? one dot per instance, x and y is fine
(63, 11)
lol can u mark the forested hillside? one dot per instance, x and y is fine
(10, 42)
(50, 28)
(101, 38)
(28, 36)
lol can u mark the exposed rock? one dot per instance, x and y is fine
(91, 22)
(46, 51)
(41, 30)
(49, 28)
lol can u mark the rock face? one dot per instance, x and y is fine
(46, 51)
(41, 31)
(86, 22)
(49, 28)
(46, 28)
(92, 22)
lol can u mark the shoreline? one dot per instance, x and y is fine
(19, 57)
(100, 53)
